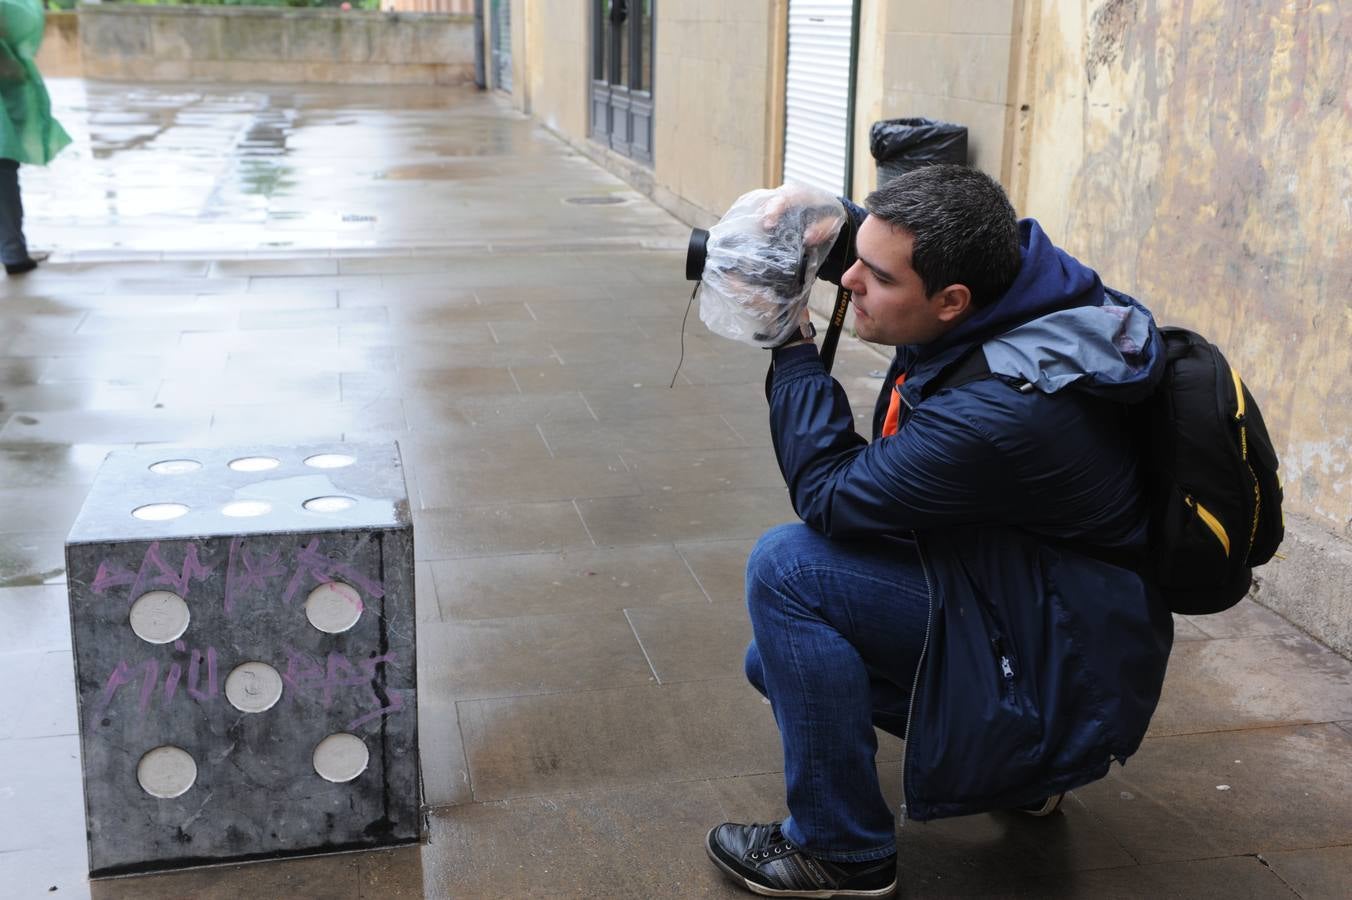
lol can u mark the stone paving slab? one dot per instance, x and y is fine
(1314, 873)
(589, 580)
(581, 527)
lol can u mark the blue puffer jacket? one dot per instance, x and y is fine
(1042, 664)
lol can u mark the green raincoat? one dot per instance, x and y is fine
(28, 133)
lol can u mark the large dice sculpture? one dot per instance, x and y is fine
(243, 626)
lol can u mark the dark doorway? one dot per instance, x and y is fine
(480, 69)
(622, 76)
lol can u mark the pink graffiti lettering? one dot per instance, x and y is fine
(120, 675)
(124, 674)
(244, 573)
(152, 670)
(395, 705)
(318, 567)
(180, 580)
(310, 678)
(111, 577)
(154, 572)
(193, 662)
(307, 677)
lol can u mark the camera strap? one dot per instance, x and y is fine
(833, 328)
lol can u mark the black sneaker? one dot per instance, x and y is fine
(20, 268)
(762, 860)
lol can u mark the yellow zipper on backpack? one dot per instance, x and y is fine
(1244, 454)
(1210, 521)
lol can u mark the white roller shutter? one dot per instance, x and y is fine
(817, 92)
(502, 44)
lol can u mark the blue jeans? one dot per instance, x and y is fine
(838, 628)
(13, 247)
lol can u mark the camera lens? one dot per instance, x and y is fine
(695, 254)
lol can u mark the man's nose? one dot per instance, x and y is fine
(851, 280)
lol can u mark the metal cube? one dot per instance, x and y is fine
(245, 655)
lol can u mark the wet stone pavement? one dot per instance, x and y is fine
(267, 266)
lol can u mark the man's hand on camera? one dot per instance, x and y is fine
(803, 335)
(789, 196)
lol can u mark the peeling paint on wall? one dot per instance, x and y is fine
(1196, 154)
(1107, 31)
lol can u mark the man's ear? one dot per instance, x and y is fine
(953, 302)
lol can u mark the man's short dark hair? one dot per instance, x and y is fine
(963, 224)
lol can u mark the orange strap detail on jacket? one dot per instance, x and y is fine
(892, 420)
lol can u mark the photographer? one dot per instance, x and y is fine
(964, 580)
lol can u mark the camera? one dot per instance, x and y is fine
(756, 266)
(777, 261)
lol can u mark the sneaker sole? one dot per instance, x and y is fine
(775, 892)
(1046, 809)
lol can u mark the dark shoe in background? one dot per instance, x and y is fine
(762, 860)
(19, 268)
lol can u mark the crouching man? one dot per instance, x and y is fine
(966, 580)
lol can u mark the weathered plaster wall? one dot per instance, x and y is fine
(1197, 154)
(265, 44)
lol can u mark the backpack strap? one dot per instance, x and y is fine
(970, 366)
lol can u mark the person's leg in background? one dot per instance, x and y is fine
(838, 629)
(13, 246)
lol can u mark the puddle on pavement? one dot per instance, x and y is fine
(231, 168)
(444, 171)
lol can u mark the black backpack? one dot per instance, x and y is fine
(1211, 477)
(1215, 496)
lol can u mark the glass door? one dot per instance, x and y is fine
(622, 76)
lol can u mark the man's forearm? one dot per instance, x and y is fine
(812, 427)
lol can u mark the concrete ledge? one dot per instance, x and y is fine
(1312, 585)
(273, 45)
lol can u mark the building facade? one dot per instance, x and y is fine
(1195, 154)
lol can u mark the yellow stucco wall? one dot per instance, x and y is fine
(947, 61)
(712, 97)
(1197, 155)
(557, 51)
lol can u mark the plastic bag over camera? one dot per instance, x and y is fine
(762, 260)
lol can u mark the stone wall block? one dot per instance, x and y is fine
(330, 40)
(185, 37)
(396, 42)
(1310, 583)
(442, 45)
(458, 73)
(264, 45)
(117, 37)
(261, 38)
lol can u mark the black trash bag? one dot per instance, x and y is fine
(901, 145)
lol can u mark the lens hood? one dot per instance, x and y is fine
(696, 253)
